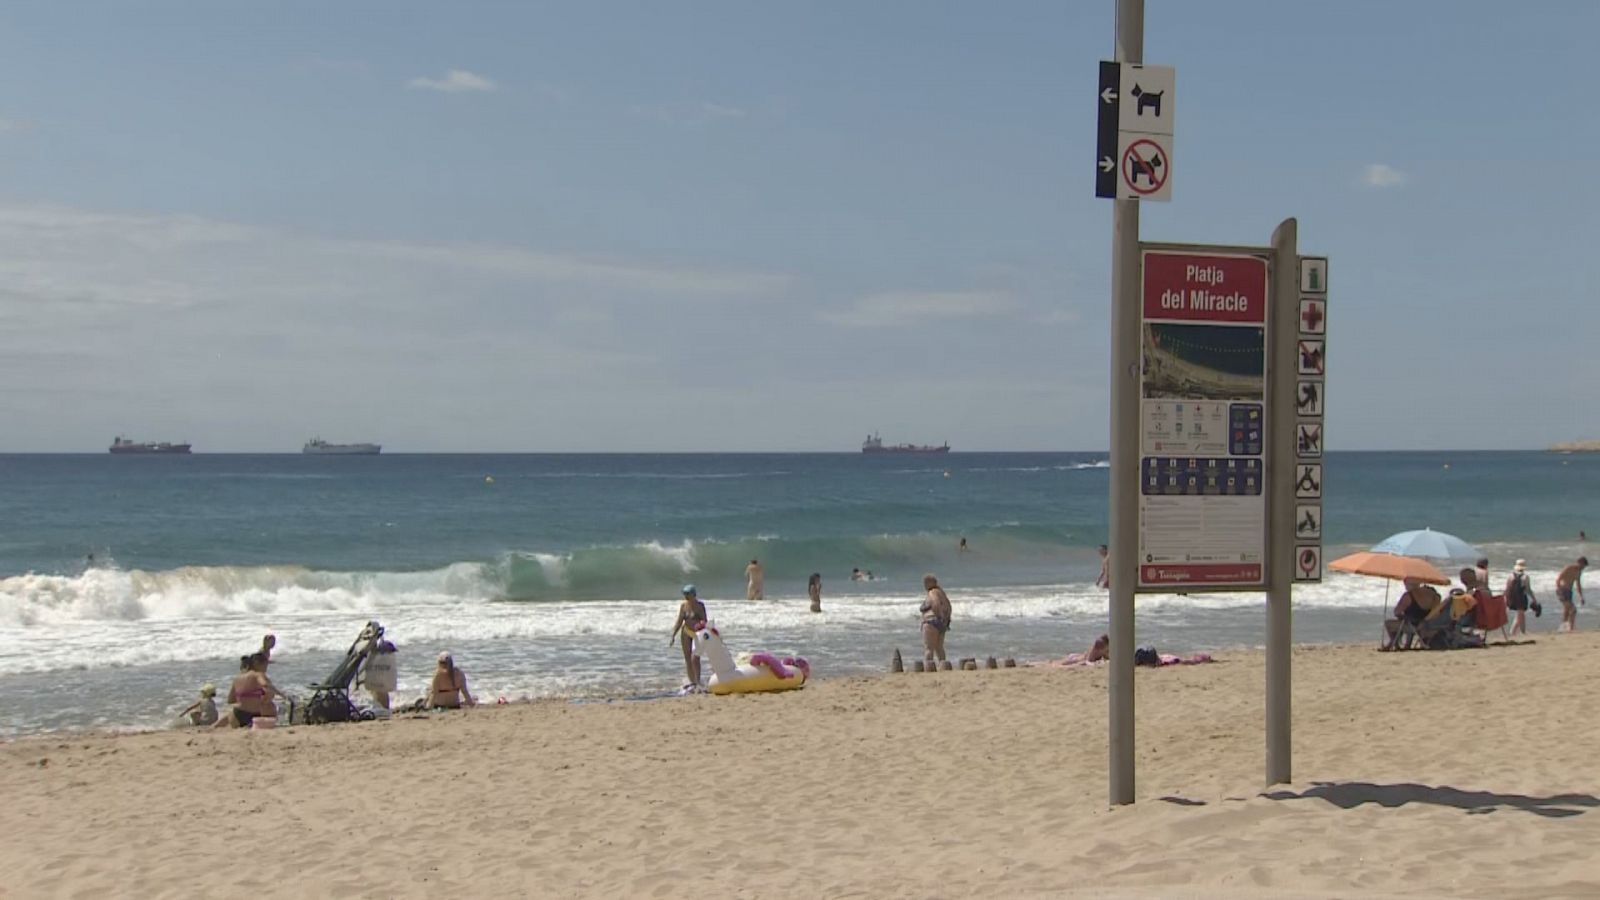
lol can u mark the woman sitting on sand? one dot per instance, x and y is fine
(935, 612)
(251, 695)
(449, 687)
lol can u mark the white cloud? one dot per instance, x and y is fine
(719, 111)
(455, 81)
(533, 265)
(1380, 175)
(898, 308)
(62, 255)
(675, 114)
(173, 323)
(1059, 317)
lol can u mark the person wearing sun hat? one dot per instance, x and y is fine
(1519, 598)
(691, 618)
(448, 690)
(204, 710)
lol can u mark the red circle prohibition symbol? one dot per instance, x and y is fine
(1153, 164)
(1308, 561)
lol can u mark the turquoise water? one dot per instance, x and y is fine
(560, 576)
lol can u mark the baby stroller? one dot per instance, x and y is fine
(330, 700)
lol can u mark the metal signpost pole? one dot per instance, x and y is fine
(1281, 499)
(1124, 519)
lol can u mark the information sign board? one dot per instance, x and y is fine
(1203, 420)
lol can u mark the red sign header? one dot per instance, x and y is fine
(1205, 288)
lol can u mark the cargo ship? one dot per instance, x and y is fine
(874, 444)
(320, 447)
(123, 445)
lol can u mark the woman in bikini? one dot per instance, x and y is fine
(251, 694)
(449, 687)
(691, 618)
(935, 611)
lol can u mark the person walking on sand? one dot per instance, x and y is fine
(1571, 579)
(755, 585)
(1519, 596)
(814, 589)
(1103, 580)
(935, 612)
(691, 618)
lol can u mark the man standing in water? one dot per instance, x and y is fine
(755, 586)
(1571, 578)
(1103, 580)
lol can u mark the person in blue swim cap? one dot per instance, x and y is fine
(691, 618)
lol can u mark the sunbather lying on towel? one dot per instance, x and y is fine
(1099, 651)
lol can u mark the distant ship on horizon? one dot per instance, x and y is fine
(123, 445)
(874, 444)
(319, 447)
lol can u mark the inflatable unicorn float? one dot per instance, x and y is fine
(762, 674)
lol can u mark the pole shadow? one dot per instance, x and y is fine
(1351, 794)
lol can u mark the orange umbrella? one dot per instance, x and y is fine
(1388, 565)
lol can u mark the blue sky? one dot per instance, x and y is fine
(700, 226)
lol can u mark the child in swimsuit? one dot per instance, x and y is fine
(204, 710)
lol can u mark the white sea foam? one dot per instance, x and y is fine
(106, 617)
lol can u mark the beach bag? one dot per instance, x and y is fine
(1146, 656)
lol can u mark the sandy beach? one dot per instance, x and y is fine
(1461, 774)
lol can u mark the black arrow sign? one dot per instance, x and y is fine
(1105, 176)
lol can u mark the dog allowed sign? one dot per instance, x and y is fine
(1137, 108)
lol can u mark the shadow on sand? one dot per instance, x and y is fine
(1350, 794)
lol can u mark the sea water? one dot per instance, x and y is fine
(559, 576)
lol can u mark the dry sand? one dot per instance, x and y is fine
(1465, 774)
